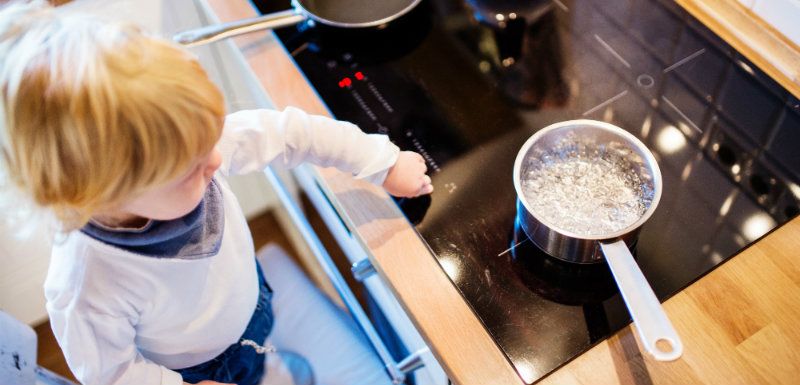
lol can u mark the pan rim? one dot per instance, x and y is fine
(412, 4)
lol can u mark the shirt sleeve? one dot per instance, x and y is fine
(100, 349)
(254, 139)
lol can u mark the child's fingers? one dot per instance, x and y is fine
(427, 187)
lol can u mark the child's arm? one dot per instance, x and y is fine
(254, 139)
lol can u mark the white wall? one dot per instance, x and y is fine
(23, 265)
(783, 15)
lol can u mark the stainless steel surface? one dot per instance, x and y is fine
(342, 14)
(643, 305)
(552, 237)
(216, 32)
(425, 367)
(413, 361)
(362, 269)
(577, 250)
(324, 259)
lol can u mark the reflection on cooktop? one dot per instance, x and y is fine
(557, 280)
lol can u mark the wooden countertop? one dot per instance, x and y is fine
(739, 324)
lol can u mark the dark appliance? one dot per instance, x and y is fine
(466, 83)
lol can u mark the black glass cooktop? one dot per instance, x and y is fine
(466, 83)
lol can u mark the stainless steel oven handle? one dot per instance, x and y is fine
(324, 259)
(362, 269)
(413, 361)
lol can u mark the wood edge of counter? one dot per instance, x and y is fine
(461, 345)
(759, 42)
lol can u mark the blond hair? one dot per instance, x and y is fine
(95, 112)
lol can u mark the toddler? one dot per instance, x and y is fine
(125, 140)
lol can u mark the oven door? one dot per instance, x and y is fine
(379, 315)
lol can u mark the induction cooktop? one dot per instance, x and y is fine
(465, 83)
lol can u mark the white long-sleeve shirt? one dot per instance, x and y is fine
(126, 318)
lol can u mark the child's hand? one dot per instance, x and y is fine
(407, 177)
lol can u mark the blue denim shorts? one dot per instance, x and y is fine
(240, 364)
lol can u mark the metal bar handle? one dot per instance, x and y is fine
(656, 331)
(215, 32)
(362, 269)
(413, 361)
(336, 278)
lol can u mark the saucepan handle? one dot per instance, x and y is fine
(215, 32)
(655, 330)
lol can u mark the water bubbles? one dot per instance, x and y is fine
(584, 188)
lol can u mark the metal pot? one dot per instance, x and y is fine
(350, 14)
(584, 190)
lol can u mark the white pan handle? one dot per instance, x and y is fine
(655, 330)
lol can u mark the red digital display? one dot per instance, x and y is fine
(347, 82)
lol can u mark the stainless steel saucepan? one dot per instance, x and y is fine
(333, 13)
(584, 189)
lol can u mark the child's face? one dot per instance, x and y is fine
(177, 197)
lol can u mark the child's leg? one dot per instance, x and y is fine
(308, 323)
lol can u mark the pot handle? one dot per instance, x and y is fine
(215, 32)
(655, 330)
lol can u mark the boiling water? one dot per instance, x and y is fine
(588, 190)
